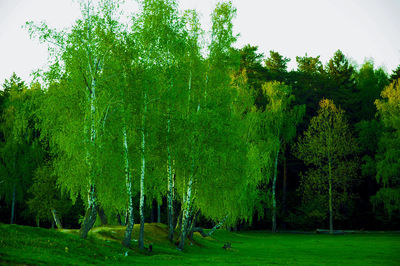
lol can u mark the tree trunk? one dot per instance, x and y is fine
(102, 215)
(170, 199)
(186, 212)
(129, 226)
(152, 219)
(141, 207)
(128, 183)
(158, 213)
(13, 204)
(170, 193)
(126, 220)
(178, 226)
(330, 199)
(192, 225)
(284, 188)
(273, 191)
(91, 213)
(119, 221)
(56, 219)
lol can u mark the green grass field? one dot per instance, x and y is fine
(29, 245)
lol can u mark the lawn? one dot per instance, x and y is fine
(29, 245)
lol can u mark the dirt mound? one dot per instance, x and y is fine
(156, 233)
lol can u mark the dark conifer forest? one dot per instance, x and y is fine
(160, 121)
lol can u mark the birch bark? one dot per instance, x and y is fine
(142, 175)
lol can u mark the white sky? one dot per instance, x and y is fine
(360, 28)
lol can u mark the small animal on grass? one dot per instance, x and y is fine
(227, 245)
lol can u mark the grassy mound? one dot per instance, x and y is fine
(30, 245)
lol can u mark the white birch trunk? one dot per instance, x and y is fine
(91, 213)
(186, 210)
(170, 188)
(128, 182)
(187, 200)
(56, 219)
(170, 198)
(141, 208)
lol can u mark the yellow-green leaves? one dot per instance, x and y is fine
(327, 138)
(388, 162)
(329, 148)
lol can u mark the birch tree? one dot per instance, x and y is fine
(158, 30)
(75, 107)
(281, 121)
(216, 146)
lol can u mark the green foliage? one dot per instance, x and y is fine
(388, 162)
(20, 150)
(251, 65)
(45, 195)
(369, 133)
(328, 136)
(395, 75)
(370, 83)
(341, 85)
(341, 71)
(74, 111)
(276, 62)
(205, 111)
(329, 148)
(309, 65)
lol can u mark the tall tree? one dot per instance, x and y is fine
(77, 79)
(309, 65)
(281, 121)
(276, 64)
(388, 163)
(211, 159)
(342, 87)
(20, 151)
(328, 146)
(162, 41)
(370, 82)
(395, 75)
(251, 62)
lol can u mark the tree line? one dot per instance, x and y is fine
(159, 118)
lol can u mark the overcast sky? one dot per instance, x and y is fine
(360, 28)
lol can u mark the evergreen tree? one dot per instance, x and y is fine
(20, 150)
(342, 87)
(370, 82)
(276, 64)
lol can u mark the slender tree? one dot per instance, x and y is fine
(328, 146)
(281, 121)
